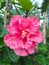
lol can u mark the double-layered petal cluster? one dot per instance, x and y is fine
(24, 35)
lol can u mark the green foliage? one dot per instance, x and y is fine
(2, 3)
(7, 56)
(3, 32)
(11, 55)
(47, 59)
(4, 63)
(26, 4)
(40, 59)
(27, 61)
(24, 61)
(13, 12)
(42, 48)
(1, 21)
(45, 5)
(1, 43)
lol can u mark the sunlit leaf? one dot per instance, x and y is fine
(26, 4)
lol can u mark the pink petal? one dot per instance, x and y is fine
(37, 37)
(11, 41)
(26, 43)
(14, 29)
(11, 30)
(35, 21)
(20, 43)
(31, 50)
(15, 19)
(21, 52)
(25, 23)
(33, 29)
(14, 26)
(35, 24)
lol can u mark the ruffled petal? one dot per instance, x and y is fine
(31, 50)
(21, 52)
(15, 19)
(38, 38)
(35, 21)
(11, 41)
(14, 29)
(20, 43)
(14, 26)
(25, 23)
(35, 24)
(27, 44)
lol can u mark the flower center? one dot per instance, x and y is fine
(25, 33)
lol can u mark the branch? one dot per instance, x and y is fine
(5, 14)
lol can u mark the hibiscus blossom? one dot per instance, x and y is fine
(24, 35)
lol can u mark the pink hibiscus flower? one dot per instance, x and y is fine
(24, 35)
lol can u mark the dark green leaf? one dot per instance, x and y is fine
(4, 64)
(13, 11)
(2, 3)
(43, 48)
(12, 56)
(3, 32)
(27, 61)
(40, 59)
(1, 42)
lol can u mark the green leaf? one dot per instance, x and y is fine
(13, 1)
(2, 3)
(27, 61)
(4, 60)
(40, 59)
(43, 48)
(21, 11)
(4, 64)
(47, 59)
(1, 43)
(26, 4)
(13, 11)
(3, 32)
(11, 55)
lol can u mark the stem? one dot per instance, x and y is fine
(26, 13)
(5, 14)
(44, 28)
